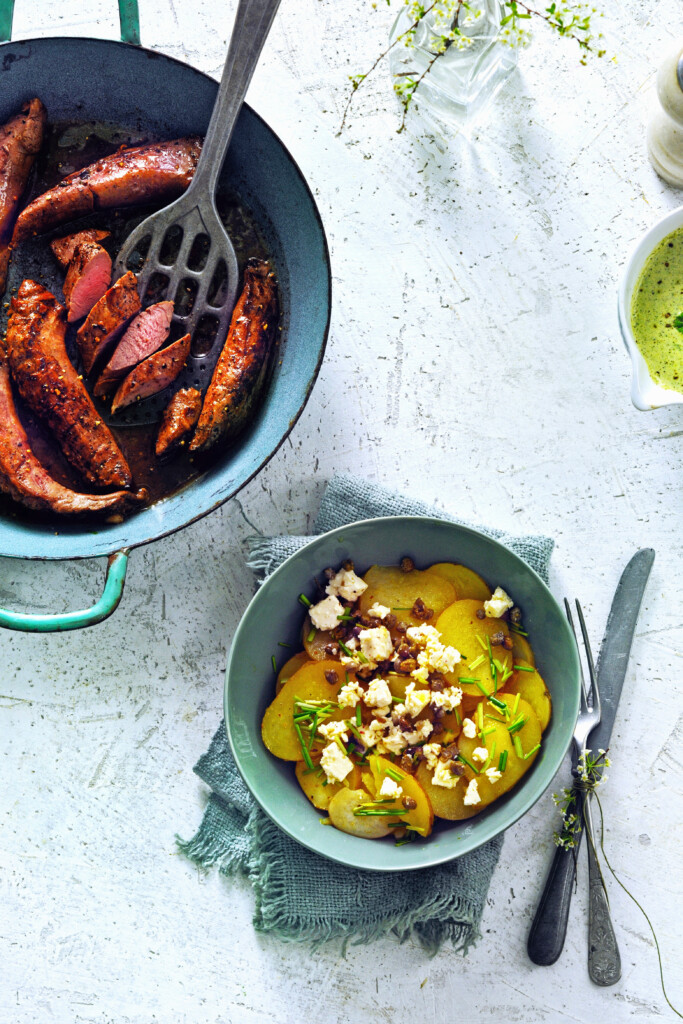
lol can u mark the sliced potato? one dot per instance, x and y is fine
(319, 790)
(398, 684)
(421, 817)
(521, 649)
(448, 803)
(296, 662)
(341, 808)
(468, 584)
(460, 628)
(315, 640)
(398, 590)
(309, 683)
(533, 690)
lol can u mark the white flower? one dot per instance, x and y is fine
(347, 585)
(389, 788)
(472, 794)
(324, 614)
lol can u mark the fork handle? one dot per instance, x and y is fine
(604, 960)
(549, 927)
(252, 25)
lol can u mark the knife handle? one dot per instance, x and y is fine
(604, 960)
(549, 928)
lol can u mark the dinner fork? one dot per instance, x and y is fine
(546, 936)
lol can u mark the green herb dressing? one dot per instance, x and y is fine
(657, 312)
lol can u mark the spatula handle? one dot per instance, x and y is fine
(252, 25)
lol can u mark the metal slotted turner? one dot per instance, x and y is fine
(205, 265)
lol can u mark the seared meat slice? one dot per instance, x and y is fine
(146, 334)
(20, 142)
(50, 386)
(180, 415)
(87, 279)
(64, 247)
(242, 366)
(107, 319)
(29, 483)
(155, 374)
(159, 171)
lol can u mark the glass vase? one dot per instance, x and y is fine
(462, 82)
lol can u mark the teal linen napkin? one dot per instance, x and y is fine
(300, 896)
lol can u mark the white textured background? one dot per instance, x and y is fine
(474, 361)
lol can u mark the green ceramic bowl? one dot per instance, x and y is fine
(276, 615)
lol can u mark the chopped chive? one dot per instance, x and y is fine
(402, 609)
(478, 661)
(492, 718)
(523, 668)
(304, 748)
(311, 636)
(488, 760)
(347, 651)
(532, 751)
(393, 774)
(458, 717)
(338, 741)
(481, 642)
(461, 757)
(347, 678)
(480, 716)
(361, 657)
(396, 700)
(517, 743)
(359, 717)
(304, 600)
(517, 725)
(516, 629)
(281, 643)
(516, 704)
(467, 679)
(500, 704)
(396, 824)
(376, 813)
(481, 688)
(326, 782)
(273, 663)
(502, 761)
(488, 730)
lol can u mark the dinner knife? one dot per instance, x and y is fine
(549, 927)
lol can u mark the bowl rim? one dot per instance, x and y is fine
(467, 845)
(646, 394)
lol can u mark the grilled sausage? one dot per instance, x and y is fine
(146, 334)
(65, 247)
(242, 366)
(28, 482)
(50, 386)
(153, 375)
(180, 415)
(20, 142)
(107, 319)
(156, 171)
(87, 279)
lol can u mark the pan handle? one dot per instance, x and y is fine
(111, 595)
(129, 19)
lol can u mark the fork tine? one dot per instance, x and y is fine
(584, 689)
(594, 695)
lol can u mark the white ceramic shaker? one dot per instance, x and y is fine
(665, 130)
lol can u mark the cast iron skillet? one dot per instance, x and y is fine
(137, 90)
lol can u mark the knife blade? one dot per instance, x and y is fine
(549, 927)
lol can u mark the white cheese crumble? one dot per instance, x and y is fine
(423, 729)
(394, 741)
(347, 585)
(469, 729)
(431, 752)
(378, 694)
(434, 656)
(389, 788)
(376, 643)
(416, 700)
(471, 794)
(499, 604)
(480, 754)
(422, 634)
(335, 763)
(370, 734)
(492, 774)
(330, 730)
(324, 614)
(443, 776)
(448, 699)
(378, 611)
(350, 694)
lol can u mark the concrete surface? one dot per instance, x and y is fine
(475, 361)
